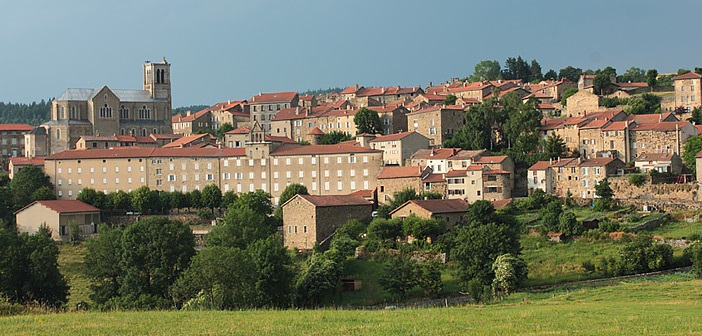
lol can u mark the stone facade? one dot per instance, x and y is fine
(79, 112)
(308, 219)
(392, 179)
(264, 106)
(450, 211)
(663, 137)
(577, 176)
(436, 123)
(399, 147)
(12, 139)
(688, 90)
(581, 103)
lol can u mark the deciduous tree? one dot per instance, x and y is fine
(486, 70)
(367, 121)
(290, 191)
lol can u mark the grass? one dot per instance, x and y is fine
(551, 263)
(677, 230)
(71, 266)
(663, 306)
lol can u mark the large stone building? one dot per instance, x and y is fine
(105, 111)
(571, 175)
(688, 90)
(437, 123)
(399, 147)
(264, 106)
(259, 164)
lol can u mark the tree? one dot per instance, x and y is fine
(554, 146)
(211, 196)
(195, 198)
(608, 70)
(241, 226)
(550, 216)
(367, 121)
(224, 128)
(486, 70)
(476, 132)
(228, 199)
(421, 229)
(600, 82)
(522, 125)
(693, 146)
(102, 264)
(695, 116)
(605, 194)
(93, 197)
(399, 276)
(694, 251)
(509, 271)
(570, 73)
(43, 193)
(535, 71)
(381, 229)
(118, 200)
(274, 272)
(517, 69)
(569, 225)
(225, 277)
(154, 252)
(259, 201)
(450, 99)
(641, 255)
(429, 278)
(317, 281)
(633, 74)
(551, 75)
(142, 199)
(477, 247)
(289, 192)
(651, 78)
(567, 94)
(334, 137)
(25, 182)
(479, 213)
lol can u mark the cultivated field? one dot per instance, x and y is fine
(663, 305)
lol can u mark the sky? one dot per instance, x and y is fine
(221, 50)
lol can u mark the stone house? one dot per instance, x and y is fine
(449, 210)
(57, 216)
(233, 112)
(264, 106)
(392, 179)
(191, 123)
(554, 89)
(360, 96)
(582, 103)
(662, 137)
(437, 123)
(540, 176)
(12, 137)
(476, 90)
(688, 90)
(312, 219)
(399, 147)
(660, 162)
(574, 175)
(594, 170)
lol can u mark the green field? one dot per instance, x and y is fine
(666, 305)
(71, 266)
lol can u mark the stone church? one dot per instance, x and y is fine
(106, 112)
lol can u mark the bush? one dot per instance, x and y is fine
(637, 179)
(205, 214)
(609, 226)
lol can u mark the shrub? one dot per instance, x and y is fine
(610, 226)
(637, 179)
(205, 214)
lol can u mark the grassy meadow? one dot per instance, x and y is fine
(663, 305)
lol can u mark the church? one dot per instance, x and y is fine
(104, 112)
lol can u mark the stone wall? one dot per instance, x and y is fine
(665, 192)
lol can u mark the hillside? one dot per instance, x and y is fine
(659, 305)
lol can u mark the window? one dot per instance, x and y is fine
(338, 159)
(340, 185)
(326, 185)
(209, 177)
(105, 112)
(339, 173)
(352, 159)
(144, 112)
(171, 178)
(123, 112)
(287, 174)
(251, 175)
(302, 174)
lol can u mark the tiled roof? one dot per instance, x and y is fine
(435, 153)
(469, 87)
(599, 123)
(544, 106)
(365, 193)
(562, 162)
(550, 124)
(292, 113)
(16, 127)
(321, 149)
(186, 152)
(393, 137)
(475, 167)
(438, 206)
(491, 159)
(496, 172)
(437, 108)
(240, 130)
(434, 178)
(188, 118)
(689, 75)
(273, 97)
(654, 157)
(661, 126)
(616, 126)
(596, 162)
(119, 152)
(649, 118)
(456, 172)
(306, 98)
(316, 131)
(27, 161)
(65, 206)
(280, 139)
(335, 200)
(699, 129)
(400, 172)
(540, 165)
(187, 140)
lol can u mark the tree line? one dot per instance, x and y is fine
(34, 113)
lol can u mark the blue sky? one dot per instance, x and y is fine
(223, 50)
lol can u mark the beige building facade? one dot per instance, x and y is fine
(399, 147)
(57, 216)
(436, 123)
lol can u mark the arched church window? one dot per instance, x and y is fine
(62, 113)
(73, 113)
(144, 112)
(155, 131)
(58, 134)
(143, 132)
(163, 76)
(105, 112)
(123, 112)
(121, 131)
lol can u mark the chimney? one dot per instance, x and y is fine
(229, 101)
(260, 93)
(297, 110)
(660, 117)
(430, 84)
(550, 161)
(187, 113)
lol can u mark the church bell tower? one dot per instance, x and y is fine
(157, 79)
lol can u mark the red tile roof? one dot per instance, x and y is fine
(550, 124)
(321, 149)
(599, 123)
(650, 118)
(240, 130)
(335, 200)
(400, 172)
(435, 153)
(496, 172)
(544, 106)
(393, 137)
(491, 159)
(186, 152)
(699, 129)
(438, 206)
(119, 152)
(64, 206)
(26, 161)
(316, 131)
(281, 139)
(616, 126)
(188, 118)
(562, 162)
(16, 127)
(434, 178)
(456, 172)
(187, 140)
(596, 162)
(475, 167)
(689, 75)
(498, 204)
(540, 165)
(273, 97)
(654, 157)
(306, 98)
(365, 193)
(166, 136)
